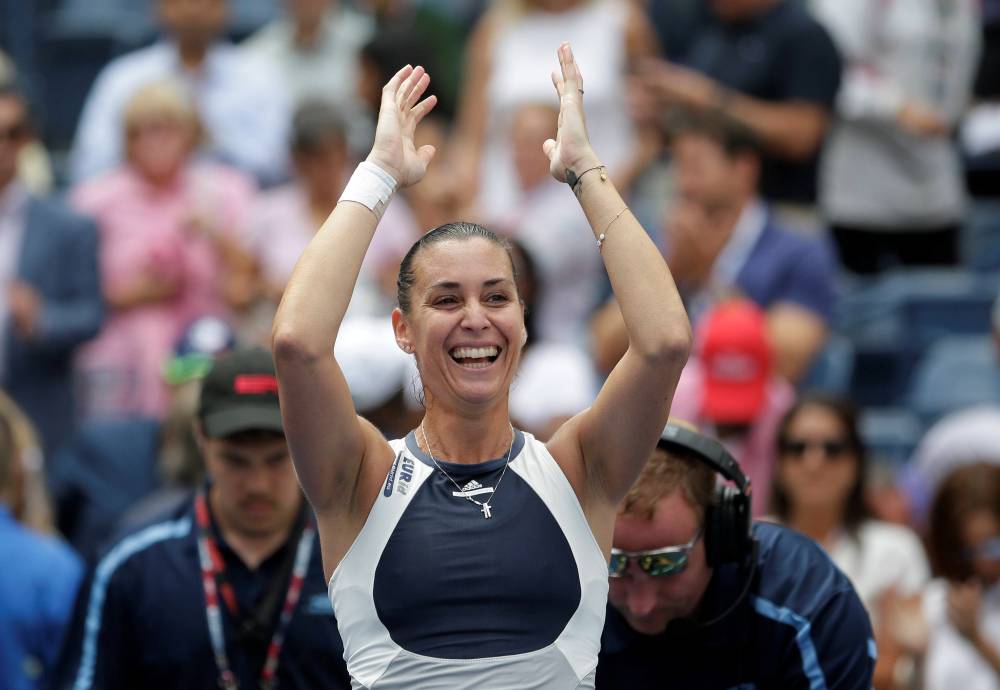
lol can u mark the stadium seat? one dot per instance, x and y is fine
(956, 372)
(890, 433)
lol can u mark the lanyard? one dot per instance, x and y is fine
(215, 585)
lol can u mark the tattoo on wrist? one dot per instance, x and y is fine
(573, 180)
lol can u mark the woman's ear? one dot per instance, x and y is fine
(524, 336)
(402, 331)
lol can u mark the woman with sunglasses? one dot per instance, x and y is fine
(819, 490)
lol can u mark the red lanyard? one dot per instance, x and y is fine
(212, 569)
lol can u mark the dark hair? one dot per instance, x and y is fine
(856, 510)
(731, 135)
(459, 230)
(315, 122)
(965, 491)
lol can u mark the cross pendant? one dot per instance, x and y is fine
(487, 513)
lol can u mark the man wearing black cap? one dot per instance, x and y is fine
(228, 589)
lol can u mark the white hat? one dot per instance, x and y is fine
(373, 364)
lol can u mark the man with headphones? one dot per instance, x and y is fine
(701, 598)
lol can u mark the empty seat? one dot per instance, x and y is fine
(956, 372)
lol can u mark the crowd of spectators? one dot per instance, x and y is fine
(822, 176)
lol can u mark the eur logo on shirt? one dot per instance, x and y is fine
(404, 466)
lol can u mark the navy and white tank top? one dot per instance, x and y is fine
(432, 595)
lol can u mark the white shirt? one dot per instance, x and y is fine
(13, 201)
(951, 662)
(244, 109)
(882, 555)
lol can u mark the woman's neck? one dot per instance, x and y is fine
(468, 440)
(820, 525)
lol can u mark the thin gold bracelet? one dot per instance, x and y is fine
(602, 236)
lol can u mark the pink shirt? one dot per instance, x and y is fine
(143, 230)
(283, 226)
(755, 452)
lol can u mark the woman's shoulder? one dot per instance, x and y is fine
(893, 542)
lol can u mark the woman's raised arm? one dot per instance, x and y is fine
(616, 435)
(328, 441)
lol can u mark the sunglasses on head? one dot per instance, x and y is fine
(832, 448)
(669, 560)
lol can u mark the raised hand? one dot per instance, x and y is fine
(398, 116)
(570, 151)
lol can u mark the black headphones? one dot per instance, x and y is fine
(728, 519)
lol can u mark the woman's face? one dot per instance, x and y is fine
(159, 148)
(466, 323)
(817, 466)
(980, 532)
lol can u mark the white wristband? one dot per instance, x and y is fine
(370, 186)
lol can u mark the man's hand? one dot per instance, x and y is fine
(920, 120)
(676, 85)
(398, 116)
(570, 151)
(694, 243)
(25, 308)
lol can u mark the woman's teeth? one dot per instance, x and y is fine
(475, 357)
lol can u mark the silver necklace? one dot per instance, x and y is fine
(485, 505)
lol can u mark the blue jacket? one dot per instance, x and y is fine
(140, 620)
(38, 581)
(59, 260)
(799, 626)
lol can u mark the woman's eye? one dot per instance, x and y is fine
(445, 301)
(497, 298)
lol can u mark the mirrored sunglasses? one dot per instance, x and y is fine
(669, 560)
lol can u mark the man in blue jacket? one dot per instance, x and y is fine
(50, 293)
(226, 590)
(701, 599)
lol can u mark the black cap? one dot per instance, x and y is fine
(240, 393)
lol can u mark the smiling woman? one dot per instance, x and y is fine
(469, 554)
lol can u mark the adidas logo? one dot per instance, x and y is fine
(471, 486)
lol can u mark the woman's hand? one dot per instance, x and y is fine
(398, 117)
(964, 601)
(570, 151)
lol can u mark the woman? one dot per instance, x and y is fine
(963, 612)
(891, 181)
(509, 45)
(819, 490)
(497, 576)
(170, 251)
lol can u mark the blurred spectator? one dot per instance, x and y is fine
(316, 48)
(819, 490)
(110, 465)
(241, 99)
(33, 168)
(730, 389)
(286, 219)
(962, 438)
(722, 240)
(50, 295)
(555, 379)
(27, 494)
(170, 250)
(146, 618)
(37, 587)
(891, 183)
(771, 67)
(512, 39)
(438, 197)
(963, 613)
(980, 135)
(549, 224)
